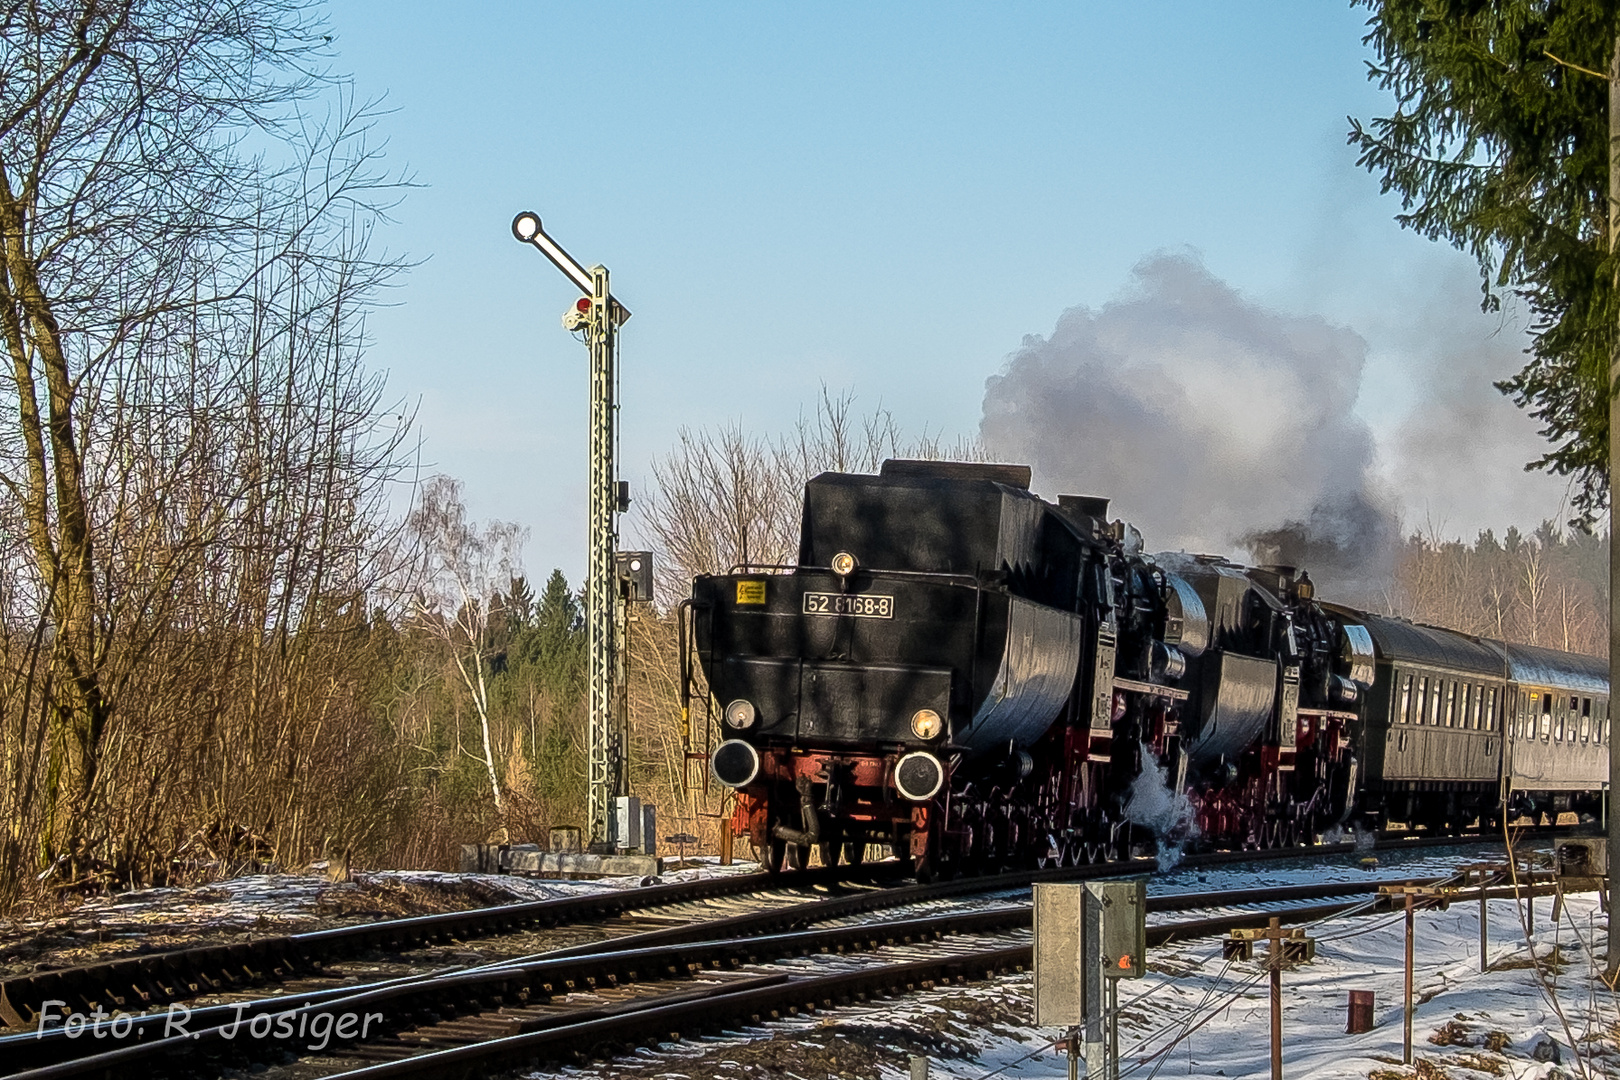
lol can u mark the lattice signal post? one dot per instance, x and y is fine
(598, 316)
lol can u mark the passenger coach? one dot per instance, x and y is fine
(1458, 727)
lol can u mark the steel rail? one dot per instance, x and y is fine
(405, 1001)
(134, 983)
(47, 1047)
(146, 980)
(655, 1021)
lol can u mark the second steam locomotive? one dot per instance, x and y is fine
(978, 678)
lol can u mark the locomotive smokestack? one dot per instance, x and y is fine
(1090, 505)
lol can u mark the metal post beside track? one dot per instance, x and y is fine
(598, 316)
(1415, 896)
(1274, 961)
(601, 587)
(1406, 1037)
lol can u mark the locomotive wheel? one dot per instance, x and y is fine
(773, 863)
(797, 857)
(854, 852)
(830, 844)
(1118, 833)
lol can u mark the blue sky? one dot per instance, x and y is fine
(884, 198)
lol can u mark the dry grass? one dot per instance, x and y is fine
(1451, 1033)
(92, 933)
(1488, 1064)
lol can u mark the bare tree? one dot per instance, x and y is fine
(191, 460)
(466, 566)
(727, 497)
(1546, 587)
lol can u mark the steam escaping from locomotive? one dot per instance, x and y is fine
(1205, 415)
(1155, 805)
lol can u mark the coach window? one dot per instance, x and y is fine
(1546, 717)
(1451, 703)
(1467, 700)
(1586, 719)
(1434, 702)
(1422, 712)
(1490, 711)
(1405, 715)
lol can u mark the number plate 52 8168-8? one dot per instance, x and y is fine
(865, 605)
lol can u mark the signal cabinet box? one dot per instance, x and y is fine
(635, 573)
(1084, 934)
(626, 823)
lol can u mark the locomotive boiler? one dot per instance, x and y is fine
(977, 677)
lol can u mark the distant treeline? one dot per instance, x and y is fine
(1550, 587)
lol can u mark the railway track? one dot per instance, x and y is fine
(530, 997)
(475, 1015)
(225, 972)
(139, 982)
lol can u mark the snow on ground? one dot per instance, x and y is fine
(1501, 1023)
(1195, 1015)
(254, 905)
(290, 903)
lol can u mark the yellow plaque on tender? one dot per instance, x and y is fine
(750, 592)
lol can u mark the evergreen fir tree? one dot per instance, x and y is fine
(1499, 145)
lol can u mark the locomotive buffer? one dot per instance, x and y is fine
(598, 316)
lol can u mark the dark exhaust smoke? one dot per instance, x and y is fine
(1345, 543)
(1215, 424)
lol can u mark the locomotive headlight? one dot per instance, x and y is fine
(843, 564)
(740, 714)
(925, 723)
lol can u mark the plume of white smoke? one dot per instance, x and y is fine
(1169, 814)
(1458, 454)
(1215, 424)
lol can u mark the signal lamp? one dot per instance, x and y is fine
(843, 564)
(740, 714)
(925, 723)
(582, 305)
(526, 226)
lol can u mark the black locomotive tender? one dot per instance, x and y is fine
(979, 678)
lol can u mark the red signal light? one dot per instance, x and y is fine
(582, 305)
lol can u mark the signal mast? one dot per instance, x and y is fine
(598, 316)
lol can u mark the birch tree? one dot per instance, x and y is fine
(465, 567)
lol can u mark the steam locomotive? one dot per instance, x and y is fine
(980, 678)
